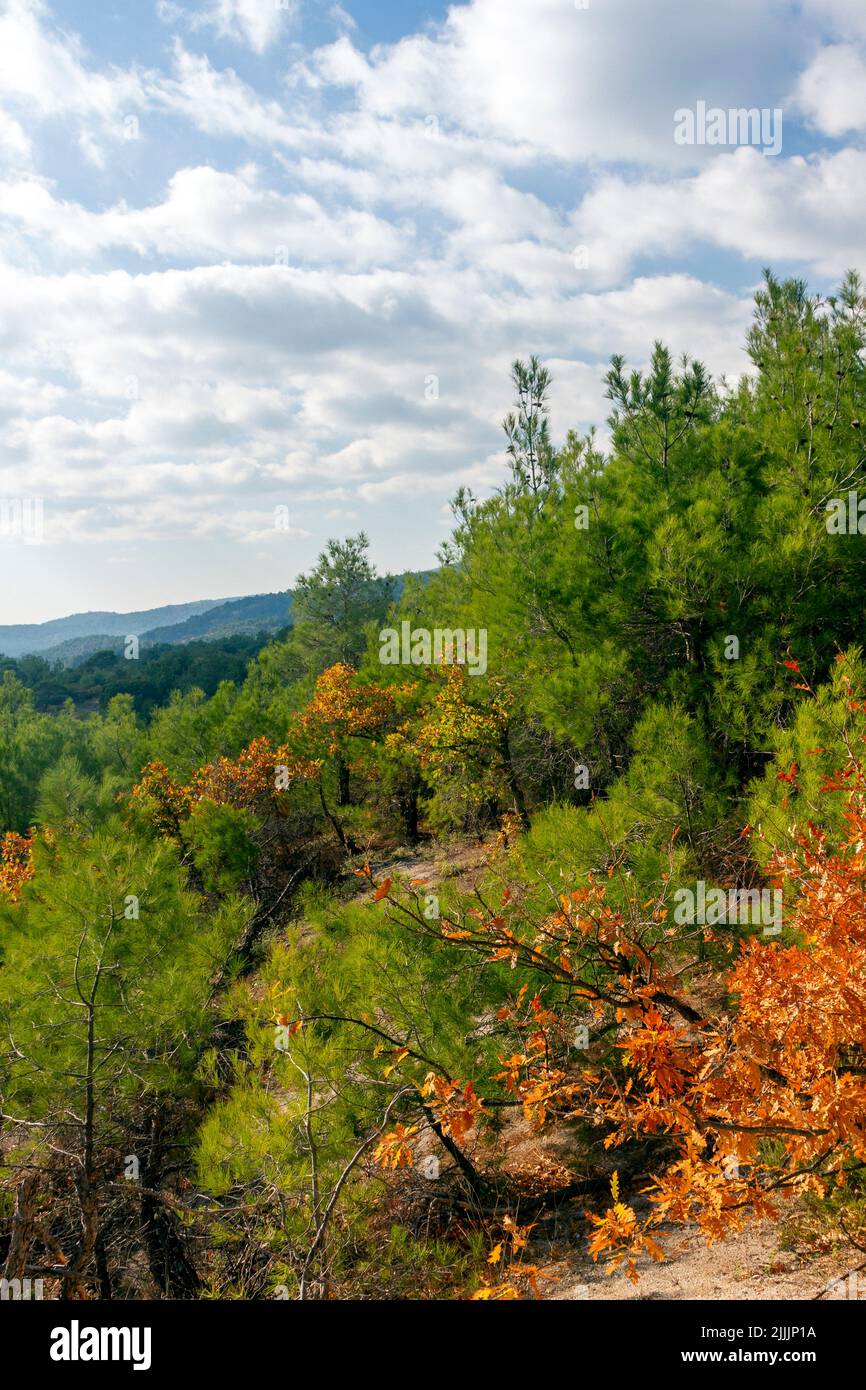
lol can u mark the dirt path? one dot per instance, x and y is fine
(751, 1265)
(462, 861)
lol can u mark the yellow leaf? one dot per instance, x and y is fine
(404, 1052)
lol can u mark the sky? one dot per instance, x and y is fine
(265, 264)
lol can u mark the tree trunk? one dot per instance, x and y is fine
(74, 1283)
(167, 1256)
(102, 1270)
(171, 1267)
(345, 840)
(477, 1184)
(342, 782)
(23, 1227)
(409, 810)
(511, 777)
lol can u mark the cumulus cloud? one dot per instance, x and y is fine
(832, 90)
(46, 74)
(306, 281)
(219, 103)
(577, 84)
(254, 22)
(804, 210)
(14, 142)
(208, 215)
(839, 18)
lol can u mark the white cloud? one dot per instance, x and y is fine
(220, 103)
(832, 90)
(208, 215)
(843, 18)
(341, 17)
(600, 83)
(247, 380)
(257, 23)
(14, 143)
(809, 211)
(48, 74)
(163, 378)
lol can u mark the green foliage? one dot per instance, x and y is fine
(108, 935)
(149, 680)
(653, 822)
(30, 743)
(191, 730)
(221, 839)
(813, 746)
(666, 615)
(334, 602)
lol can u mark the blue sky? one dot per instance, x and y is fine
(259, 255)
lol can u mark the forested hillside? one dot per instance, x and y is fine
(563, 842)
(151, 678)
(23, 639)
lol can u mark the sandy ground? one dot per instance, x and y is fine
(748, 1266)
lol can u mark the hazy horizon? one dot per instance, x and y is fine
(127, 612)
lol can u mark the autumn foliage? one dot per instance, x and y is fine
(765, 1099)
(16, 863)
(342, 706)
(259, 772)
(773, 1096)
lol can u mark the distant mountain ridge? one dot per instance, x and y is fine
(257, 613)
(68, 641)
(71, 639)
(22, 639)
